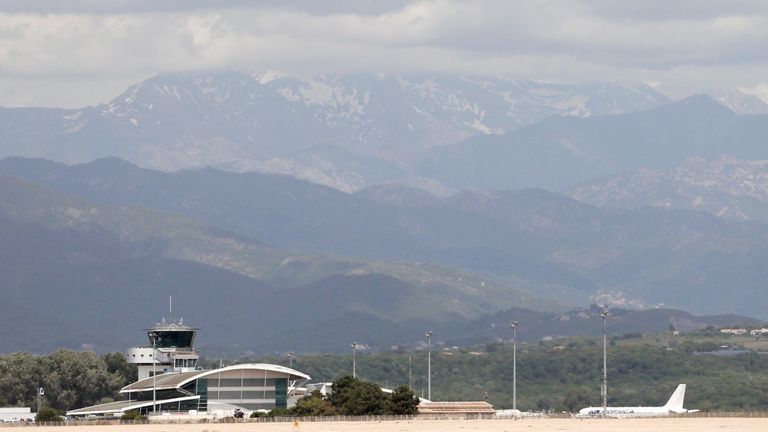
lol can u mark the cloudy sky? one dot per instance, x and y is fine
(83, 52)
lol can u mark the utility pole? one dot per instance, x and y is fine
(514, 324)
(40, 393)
(354, 359)
(604, 384)
(428, 334)
(410, 373)
(154, 335)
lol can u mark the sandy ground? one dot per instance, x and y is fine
(566, 425)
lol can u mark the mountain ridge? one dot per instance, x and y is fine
(530, 241)
(561, 152)
(376, 124)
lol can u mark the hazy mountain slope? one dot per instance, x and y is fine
(74, 262)
(560, 152)
(727, 187)
(529, 241)
(346, 131)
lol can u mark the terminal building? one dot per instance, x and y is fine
(170, 381)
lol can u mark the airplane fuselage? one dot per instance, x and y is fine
(624, 412)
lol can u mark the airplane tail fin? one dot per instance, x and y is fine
(675, 402)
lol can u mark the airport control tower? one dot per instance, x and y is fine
(170, 349)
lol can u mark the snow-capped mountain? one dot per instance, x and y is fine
(375, 124)
(741, 103)
(727, 187)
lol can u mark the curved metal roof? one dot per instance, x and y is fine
(293, 373)
(175, 380)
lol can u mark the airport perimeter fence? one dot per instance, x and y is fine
(375, 418)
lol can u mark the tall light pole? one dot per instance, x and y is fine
(154, 335)
(428, 334)
(604, 382)
(410, 373)
(514, 324)
(290, 359)
(40, 393)
(354, 359)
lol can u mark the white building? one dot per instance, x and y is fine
(16, 414)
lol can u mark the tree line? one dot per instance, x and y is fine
(69, 379)
(562, 376)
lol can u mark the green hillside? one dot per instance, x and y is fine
(71, 263)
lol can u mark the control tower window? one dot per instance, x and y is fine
(174, 339)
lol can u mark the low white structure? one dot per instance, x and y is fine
(736, 331)
(16, 414)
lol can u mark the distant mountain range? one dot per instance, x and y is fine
(438, 133)
(562, 152)
(725, 186)
(410, 202)
(76, 273)
(346, 131)
(79, 275)
(528, 247)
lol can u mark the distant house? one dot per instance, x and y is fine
(759, 332)
(736, 331)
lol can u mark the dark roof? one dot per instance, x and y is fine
(163, 382)
(122, 406)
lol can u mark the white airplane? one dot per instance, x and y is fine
(673, 406)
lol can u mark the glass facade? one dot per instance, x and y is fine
(190, 363)
(247, 393)
(174, 339)
(281, 393)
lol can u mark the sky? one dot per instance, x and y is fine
(85, 52)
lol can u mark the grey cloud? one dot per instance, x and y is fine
(651, 40)
(362, 7)
(663, 10)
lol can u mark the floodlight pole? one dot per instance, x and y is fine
(604, 384)
(514, 324)
(40, 392)
(428, 334)
(153, 335)
(290, 359)
(410, 373)
(354, 359)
